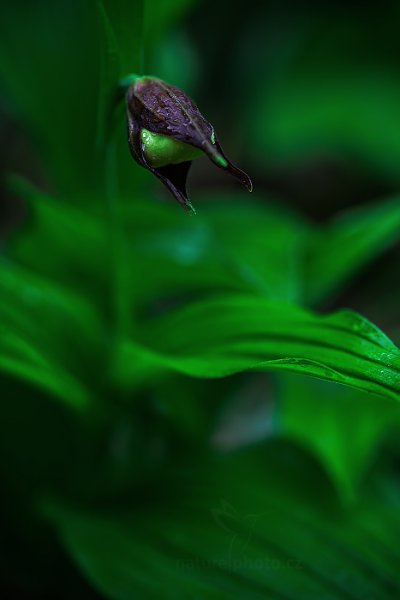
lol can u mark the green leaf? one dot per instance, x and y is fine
(262, 525)
(346, 244)
(259, 248)
(219, 337)
(243, 246)
(343, 427)
(78, 239)
(40, 324)
(21, 360)
(123, 29)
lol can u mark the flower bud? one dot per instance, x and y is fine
(166, 131)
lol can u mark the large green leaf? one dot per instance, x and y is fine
(263, 525)
(259, 248)
(230, 245)
(342, 426)
(215, 338)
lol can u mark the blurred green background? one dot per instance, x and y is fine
(207, 406)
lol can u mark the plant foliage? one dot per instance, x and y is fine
(128, 331)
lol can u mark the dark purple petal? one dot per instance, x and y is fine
(173, 176)
(230, 167)
(162, 108)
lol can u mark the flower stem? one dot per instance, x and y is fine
(120, 298)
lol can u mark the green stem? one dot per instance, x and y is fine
(118, 258)
(121, 317)
(116, 62)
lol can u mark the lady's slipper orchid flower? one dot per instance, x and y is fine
(166, 131)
